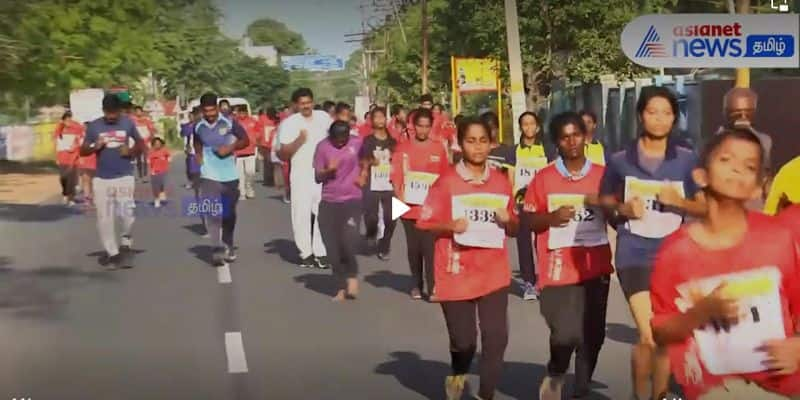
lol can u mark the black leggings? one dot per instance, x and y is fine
(141, 165)
(68, 176)
(492, 311)
(525, 252)
(371, 202)
(576, 316)
(338, 225)
(420, 254)
(221, 227)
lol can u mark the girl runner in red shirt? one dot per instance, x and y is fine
(574, 256)
(67, 138)
(726, 288)
(471, 211)
(416, 164)
(158, 159)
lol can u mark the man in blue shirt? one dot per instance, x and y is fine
(116, 142)
(216, 137)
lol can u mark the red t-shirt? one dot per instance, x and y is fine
(569, 265)
(158, 161)
(72, 132)
(398, 132)
(88, 162)
(464, 272)
(790, 217)
(269, 129)
(254, 130)
(146, 129)
(428, 157)
(767, 246)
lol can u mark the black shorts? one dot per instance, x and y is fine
(634, 280)
(157, 182)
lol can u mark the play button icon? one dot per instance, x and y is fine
(398, 208)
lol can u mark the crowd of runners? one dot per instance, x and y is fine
(706, 254)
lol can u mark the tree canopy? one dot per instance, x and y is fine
(269, 32)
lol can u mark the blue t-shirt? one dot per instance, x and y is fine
(110, 164)
(211, 136)
(634, 250)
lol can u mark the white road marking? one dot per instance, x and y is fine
(234, 349)
(224, 274)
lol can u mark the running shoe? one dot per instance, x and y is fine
(416, 294)
(308, 262)
(64, 200)
(322, 262)
(383, 256)
(551, 388)
(250, 195)
(454, 386)
(286, 200)
(157, 203)
(126, 243)
(71, 203)
(241, 197)
(530, 292)
(188, 186)
(113, 263)
(230, 254)
(219, 258)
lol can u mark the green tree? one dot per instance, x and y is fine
(267, 31)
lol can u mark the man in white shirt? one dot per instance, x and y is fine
(298, 136)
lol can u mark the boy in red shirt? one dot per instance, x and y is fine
(574, 256)
(470, 209)
(246, 157)
(158, 158)
(416, 164)
(726, 289)
(67, 139)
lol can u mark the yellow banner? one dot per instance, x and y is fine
(475, 74)
(43, 146)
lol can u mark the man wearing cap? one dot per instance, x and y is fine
(216, 138)
(115, 140)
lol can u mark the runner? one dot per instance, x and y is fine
(397, 125)
(216, 138)
(594, 148)
(531, 158)
(376, 152)
(785, 189)
(416, 164)
(158, 159)
(146, 128)
(110, 138)
(365, 127)
(573, 250)
(187, 133)
(330, 108)
(726, 288)
(298, 137)
(246, 157)
(87, 165)
(344, 112)
(337, 167)
(739, 109)
(67, 138)
(268, 123)
(647, 185)
(425, 102)
(470, 209)
(501, 156)
(225, 108)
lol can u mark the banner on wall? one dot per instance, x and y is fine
(475, 74)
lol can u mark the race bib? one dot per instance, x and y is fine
(586, 229)
(656, 222)
(115, 139)
(525, 170)
(144, 131)
(417, 185)
(65, 142)
(479, 211)
(736, 351)
(379, 178)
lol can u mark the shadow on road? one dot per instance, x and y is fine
(197, 229)
(388, 279)
(204, 253)
(285, 249)
(36, 213)
(41, 293)
(621, 333)
(321, 283)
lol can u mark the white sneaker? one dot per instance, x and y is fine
(530, 292)
(64, 200)
(551, 388)
(126, 242)
(157, 203)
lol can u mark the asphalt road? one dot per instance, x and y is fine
(175, 328)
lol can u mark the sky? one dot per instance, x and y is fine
(323, 23)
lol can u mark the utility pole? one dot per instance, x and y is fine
(518, 105)
(399, 21)
(742, 74)
(424, 46)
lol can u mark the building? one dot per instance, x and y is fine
(267, 53)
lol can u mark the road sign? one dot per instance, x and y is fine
(314, 63)
(398, 208)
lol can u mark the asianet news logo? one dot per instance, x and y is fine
(715, 41)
